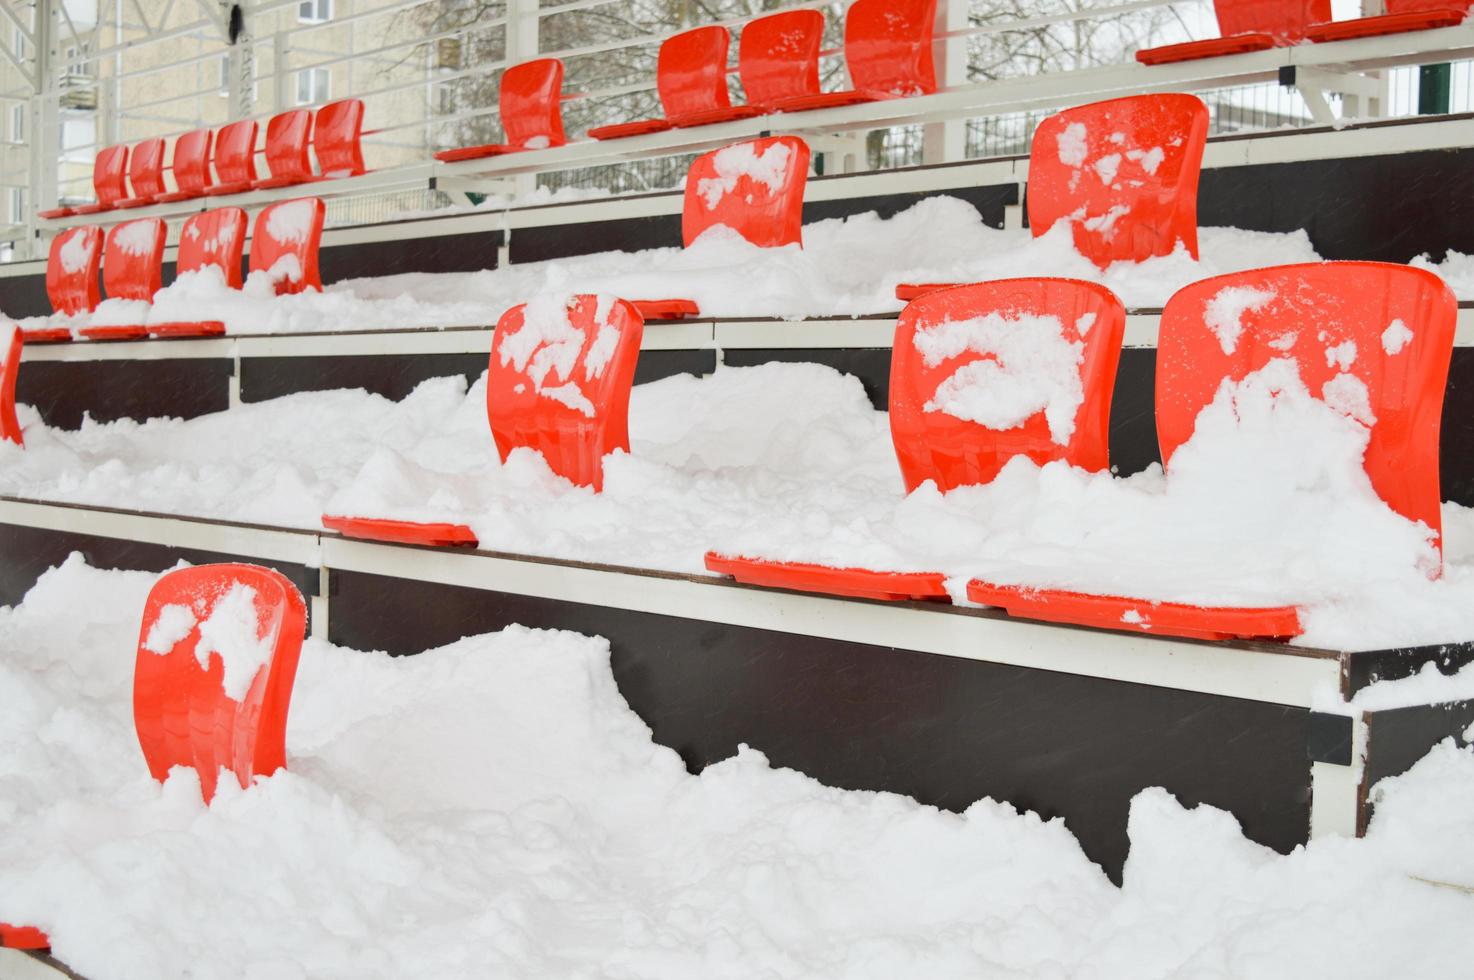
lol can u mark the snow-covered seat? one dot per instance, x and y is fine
(531, 104)
(235, 158)
(212, 682)
(285, 241)
(145, 174)
(1124, 172)
(22, 937)
(1373, 340)
(191, 165)
(691, 80)
(1401, 16)
(951, 346)
(887, 51)
(10, 348)
(71, 278)
(211, 238)
(132, 269)
(1246, 25)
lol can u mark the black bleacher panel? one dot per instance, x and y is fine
(988, 202)
(1387, 208)
(63, 391)
(585, 238)
(945, 730)
(22, 296)
(1456, 436)
(468, 252)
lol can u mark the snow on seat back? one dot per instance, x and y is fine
(133, 260)
(217, 656)
(985, 372)
(284, 244)
(1372, 340)
(1125, 174)
(10, 348)
(559, 381)
(214, 238)
(756, 188)
(778, 56)
(337, 138)
(71, 270)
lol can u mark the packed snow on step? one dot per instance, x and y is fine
(847, 266)
(1268, 505)
(494, 808)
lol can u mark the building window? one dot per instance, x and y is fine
(18, 123)
(312, 86)
(17, 206)
(315, 11)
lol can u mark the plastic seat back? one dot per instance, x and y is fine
(336, 138)
(1423, 6)
(988, 371)
(285, 241)
(212, 682)
(287, 135)
(71, 270)
(146, 171)
(559, 381)
(778, 56)
(1125, 171)
(133, 259)
(1285, 22)
(755, 187)
(1399, 319)
(110, 175)
(691, 72)
(887, 46)
(235, 152)
(192, 161)
(10, 347)
(215, 238)
(531, 101)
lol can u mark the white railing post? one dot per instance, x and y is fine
(45, 136)
(943, 142)
(522, 45)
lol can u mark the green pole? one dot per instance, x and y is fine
(1434, 82)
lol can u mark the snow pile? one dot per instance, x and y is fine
(848, 266)
(1029, 367)
(493, 808)
(769, 168)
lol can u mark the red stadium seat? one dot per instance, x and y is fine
(531, 102)
(191, 165)
(665, 309)
(71, 270)
(1401, 16)
(146, 174)
(336, 136)
(559, 382)
(109, 180)
(778, 57)
(183, 710)
(401, 532)
(1304, 312)
(10, 348)
(691, 78)
(755, 187)
(1246, 25)
(212, 238)
(22, 937)
(888, 52)
(285, 242)
(1124, 172)
(235, 158)
(287, 136)
(930, 349)
(132, 269)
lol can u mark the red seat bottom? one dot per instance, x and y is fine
(1213, 47)
(1413, 20)
(825, 100)
(860, 583)
(401, 532)
(46, 335)
(476, 152)
(23, 937)
(204, 328)
(1140, 615)
(712, 116)
(56, 213)
(907, 291)
(622, 130)
(236, 187)
(92, 208)
(137, 202)
(266, 183)
(171, 196)
(131, 332)
(666, 309)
